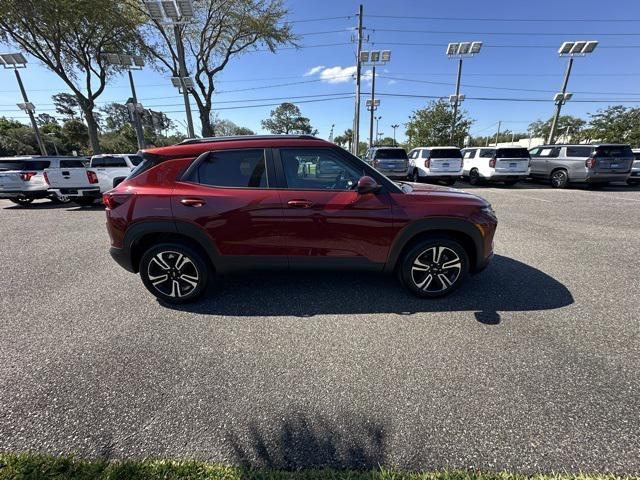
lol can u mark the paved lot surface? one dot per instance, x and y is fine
(532, 365)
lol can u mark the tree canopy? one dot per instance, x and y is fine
(287, 118)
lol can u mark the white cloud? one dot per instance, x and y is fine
(338, 74)
(313, 70)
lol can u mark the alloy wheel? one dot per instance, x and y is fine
(173, 274)
(558, 179)
(436, 269)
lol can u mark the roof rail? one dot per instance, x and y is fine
(191, 141)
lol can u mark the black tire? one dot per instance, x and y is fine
(510, 183)
(415, 176)
(474, 177)
(84, 201)
(450, 181)
(22, 201)
(174, 289)
(559, 179)
(443, 256)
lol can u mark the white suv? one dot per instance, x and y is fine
(435, 163)
(496, 164)
(22, 179)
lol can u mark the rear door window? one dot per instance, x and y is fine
(470, 153)
(487, 153)
(549, 152)
(579, 151)
(512, 153)
(445, 153)
(233, 168)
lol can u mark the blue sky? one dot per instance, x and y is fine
(509, 66)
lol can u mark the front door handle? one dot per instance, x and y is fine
(192, 202)
(299, 203)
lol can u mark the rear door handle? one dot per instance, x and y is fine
(192, 202)
(299, 203)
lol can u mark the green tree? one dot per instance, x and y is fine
(69, 37)
(66, 105)
(46, 119)
(569, 125)
(286, 118)
(16, 138)
(386, 141)
(616, 124)
(506, 136)
(432, 125)
(223, 127)
(220, 31)
(345, 140)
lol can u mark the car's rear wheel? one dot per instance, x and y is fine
(84, 201)
(174, 272)
(21, 200)
(559, 179)
(474, 176)
(434, 267)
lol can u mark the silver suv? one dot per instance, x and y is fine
(596, 165)
(634, 178)
(22, 179)
(390, 161)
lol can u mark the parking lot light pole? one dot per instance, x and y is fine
(571, 50)
(15, 61)
(356, 116)
(374, 58)
(394, 134)
(176, 13)
(131, 62)
(459, 51)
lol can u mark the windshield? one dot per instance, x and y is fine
(391, 153)
(512, 153)
(6, 165)
(614, 151)
(446, 153)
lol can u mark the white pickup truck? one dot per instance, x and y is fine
(84, 185)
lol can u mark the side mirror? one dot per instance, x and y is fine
(367, 184)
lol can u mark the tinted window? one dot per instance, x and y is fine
(512, 153)
(614, 151)
(318, 169)
(71, 164)
(636, 155)
(445, 153)
(23, 165)
(487, 153)
(234, 168)
(469, 153)
(414, 154)
(391, 153)
(135, 160)
(109, 162)
(548, 152)
(578, 151)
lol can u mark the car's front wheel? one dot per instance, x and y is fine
(174, 272)
(559, 179)
(434, 267)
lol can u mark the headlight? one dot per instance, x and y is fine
(488, 210)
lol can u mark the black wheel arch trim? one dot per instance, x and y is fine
(454, 225)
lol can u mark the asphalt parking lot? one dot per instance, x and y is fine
(533, 365)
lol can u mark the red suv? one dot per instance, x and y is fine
(210, 206)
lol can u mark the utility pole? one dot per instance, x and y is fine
(356, 117)
(560, 101)
(498, 132)
(377, 121)
(183, 74)
(456, 100)
(394, 134)
(29, 108)
(373, 98)
(137, 121)
(331, 133)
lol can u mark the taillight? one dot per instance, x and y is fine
(46, 178)
(112, 200)
(492, 162)
(93, 178)
(108, 200)
(26, 176)
(590, 163)
(427, 163)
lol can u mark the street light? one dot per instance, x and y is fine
(459, 51)
(130, 62)
(394, 133)
(16, 61)
(571, 50)
(377, 122)
(176, 13)
(373, 58)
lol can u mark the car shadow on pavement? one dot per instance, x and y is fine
(303, 442)
(506, 285)
(545, 185)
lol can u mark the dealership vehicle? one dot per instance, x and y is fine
(634, 176)
(22, 179)
(84, 186)
(435, 164)
(596, 164)
(390, 161)
(210, 206)
(495, 164)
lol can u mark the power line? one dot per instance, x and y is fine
(494, 19)
(323, 19)
(489, 45)
(537, 34)
(509, 99)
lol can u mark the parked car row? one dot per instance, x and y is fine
(596, 165)
(63, 179)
